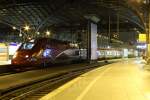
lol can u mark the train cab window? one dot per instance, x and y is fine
(27, 46)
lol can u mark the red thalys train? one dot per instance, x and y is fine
(47, 51)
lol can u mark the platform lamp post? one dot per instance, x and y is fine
(15, 28)
(48, 33)
(37, 34)
(26, 28)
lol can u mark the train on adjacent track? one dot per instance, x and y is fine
(46, 51)
(109, 53)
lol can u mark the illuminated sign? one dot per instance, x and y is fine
(141, 46)
(142, 38)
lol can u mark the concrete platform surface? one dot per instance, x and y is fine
(126, 80)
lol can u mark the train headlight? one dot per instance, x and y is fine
(26, 56)
(15, 55)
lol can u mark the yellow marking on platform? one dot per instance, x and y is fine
(69, 84)
(60, 89)
(80, 97)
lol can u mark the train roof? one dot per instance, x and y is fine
(52, 40)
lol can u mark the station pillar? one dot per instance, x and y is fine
(148, 49)
(148, 34)
(92, 42)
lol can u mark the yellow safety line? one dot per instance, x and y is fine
(69, 84)
(80, 97)
(60, 89)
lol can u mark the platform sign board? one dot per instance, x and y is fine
(142, 38)
(94, 55)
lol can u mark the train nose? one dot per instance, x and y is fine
(21, 57)
(23, 54)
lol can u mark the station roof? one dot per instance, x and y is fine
(41, 14)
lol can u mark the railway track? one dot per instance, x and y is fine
(10, 69)
(37, 90)
(5, 70)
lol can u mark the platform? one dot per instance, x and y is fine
(5, 62)
(126, 80)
